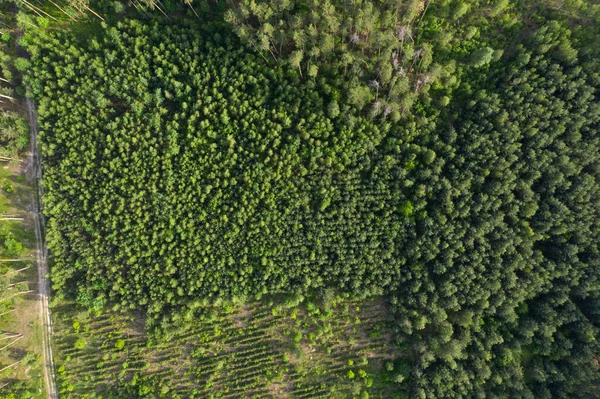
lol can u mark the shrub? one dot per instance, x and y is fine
(80, 344)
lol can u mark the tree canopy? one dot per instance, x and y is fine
(182, 170)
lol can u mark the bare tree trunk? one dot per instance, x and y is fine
(10, 311)
(92, 11)
(424, 11)
(138, 7)
(411, 65)
(61, 9)
(14, 271)
(258, 51)
(20, 282)
(10, 365)
(18, 293)
(273, 51)
(42, 11)
(160, 9)
(10, 336)
(74, 4)
(6, 346)
(33, 9)
(189, 3)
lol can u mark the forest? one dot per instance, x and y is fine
(443, 156)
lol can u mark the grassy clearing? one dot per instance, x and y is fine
(258, 350)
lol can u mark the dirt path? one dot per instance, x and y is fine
(41, 255)
(35, 163)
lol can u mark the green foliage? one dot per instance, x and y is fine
(119, 7)
(251, 356)
(76, 326)
(142, 387)
(370, 44)
(80, 344)
(499, 7)
(14, 133)
(297, 336)
(21, 64)
(242, 189)
(406, 208)
(333, 109)
(460, 9)
(205, 173)
(12, 246)
(482, 56)
(531, 206)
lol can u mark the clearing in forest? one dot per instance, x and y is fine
(256, 350)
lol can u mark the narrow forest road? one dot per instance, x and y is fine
(35, 163)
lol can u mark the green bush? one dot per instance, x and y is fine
(80, 344)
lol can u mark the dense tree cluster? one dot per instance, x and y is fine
(380, 52)
(368, 43)
(503, 274)
(202, 174)
(181, 170)
(8, 62)
(14, 132)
